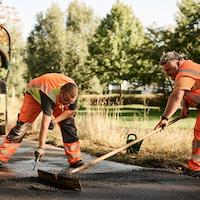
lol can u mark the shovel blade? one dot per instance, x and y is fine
(64, 181)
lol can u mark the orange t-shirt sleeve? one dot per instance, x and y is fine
(184, 83)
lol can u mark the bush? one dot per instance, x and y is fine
(124, 99)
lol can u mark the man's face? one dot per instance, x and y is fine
(66, 99)
(171, 68)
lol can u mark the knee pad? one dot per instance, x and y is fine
(18, 132)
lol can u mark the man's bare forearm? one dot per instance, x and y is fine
(66, 114)
(173, 103)
(44, 130)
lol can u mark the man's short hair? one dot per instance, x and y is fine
(171, 55)
(70, 88)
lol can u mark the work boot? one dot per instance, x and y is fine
(1, 164)
(189, 172)
(77, 164)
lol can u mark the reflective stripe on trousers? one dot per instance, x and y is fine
(194, 162)
(73, 152)
(7, 149)
(28, 113)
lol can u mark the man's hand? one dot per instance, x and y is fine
(52, 125)
(162, 124)
(39, 153)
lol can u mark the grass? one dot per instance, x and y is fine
(102, 129)
(169, 148)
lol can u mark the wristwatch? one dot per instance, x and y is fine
(164, 118)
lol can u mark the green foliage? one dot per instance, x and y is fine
(76, 54)
(184, 38)
(52, 47)
(16, 81)
(149, 72)
(81, 25)
(11, 23)
(94, 86)
(46, 43)
(187, 32)
(80, 19)
(117, 50)
(110, 49)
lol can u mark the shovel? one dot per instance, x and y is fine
(69, 180)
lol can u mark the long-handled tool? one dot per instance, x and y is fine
(71, 181)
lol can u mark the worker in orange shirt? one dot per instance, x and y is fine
(56, 96)
(186, 77)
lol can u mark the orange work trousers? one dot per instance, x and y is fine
(194, 162)
(28, 113)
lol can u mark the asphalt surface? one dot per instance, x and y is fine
(105, 180)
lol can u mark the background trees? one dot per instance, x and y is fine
(96, 52)
(46, 45)
(10, 20)
(80, 26)
(118, 35)
(187, 31)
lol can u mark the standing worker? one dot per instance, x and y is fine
(56, 96)
(186, 77)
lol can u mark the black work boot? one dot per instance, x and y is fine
(189, 172)
(77, 164)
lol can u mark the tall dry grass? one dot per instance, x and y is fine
(99, 126)
(101, 131)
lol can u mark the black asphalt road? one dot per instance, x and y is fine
(106, 180)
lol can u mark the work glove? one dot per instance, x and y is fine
(39, 153)
(52, 125)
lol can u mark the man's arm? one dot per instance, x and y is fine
(185, 109)
(173, 104)
(44, 130)
(39, 152)
(47, 106)
(70, 112)
(64, 115)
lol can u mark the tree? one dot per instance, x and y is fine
(80, 26)
(17, 68)
(116, 37)
(187, 32)
(184, 38)
(80, 19)
(46, 44)
(157, 41)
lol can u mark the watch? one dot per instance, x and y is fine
(164, 118)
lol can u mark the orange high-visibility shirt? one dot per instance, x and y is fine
(188, 77)
(49, 84)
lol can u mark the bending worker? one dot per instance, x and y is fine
(186, 76)
(55, 95)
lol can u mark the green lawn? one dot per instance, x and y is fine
(130, 112)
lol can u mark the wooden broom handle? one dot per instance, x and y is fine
(103, 157)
